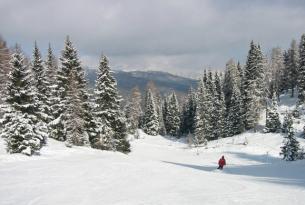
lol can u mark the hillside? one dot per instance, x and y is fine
(159, 170)
(163, 80)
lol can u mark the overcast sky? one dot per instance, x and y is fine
(170, 35)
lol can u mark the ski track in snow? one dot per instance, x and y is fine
(159, 170)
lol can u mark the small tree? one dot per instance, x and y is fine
(291, 148)
(151, 123)
(273, 123)
(287, 122)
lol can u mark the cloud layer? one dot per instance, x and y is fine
(178, 36)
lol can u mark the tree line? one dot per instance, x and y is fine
(226, 103)
(43, 99)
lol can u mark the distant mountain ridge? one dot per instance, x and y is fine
(163, 80)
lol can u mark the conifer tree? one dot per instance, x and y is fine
(107, 108)
(165, 113)
(273, 123)
(22, 130)
(4, 69)
(204, 125)
(234, 120)
(253, 86)
(173, 118)
(284, 84)
(158, 104)
(133, 110)
(293, 65)
(151, 123)
(291, 148)
(287, 122)
(75, 123)
(50, 74)
(231, 76)
(276, 71)
(40, 84)
(189, 114)
(301, 72)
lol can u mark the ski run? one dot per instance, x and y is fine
(158, 170)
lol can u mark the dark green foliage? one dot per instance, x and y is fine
(273, 123)
(107, 109)
(291, 148)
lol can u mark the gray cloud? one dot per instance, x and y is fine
(177, 36)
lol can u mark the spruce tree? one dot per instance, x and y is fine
(133, 110)
(50, 74)
(291, 148)
(158, 104)
(204, 125)
(277, 70)
(151, 123)
(287, 122)
(231, 76)
(22, 130)
(107, 108)
(284, 84)
(75, 123)
(40, 84)
(189, 113)
(234, 118)
(273, 123)
(173, 118)
(301, 72)
(253, 86)
(4, 69)
(293, 65)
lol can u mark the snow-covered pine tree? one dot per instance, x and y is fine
(273, 123)
(205, 77)
(276, 70)
(151, 123)
(241, 74)
(234, 119)
(291, 148)
(51, 66)
(74, 122)
(253, 89)
(189, 113)
(40, 84)
(231, 76)
(219, 108)
(4, 69)
(158, 103)
(107, 108)
(50, 74)
(301, 72)
(22, 130)
(287, 122)
(173, 118)
(58, 99)
(284, 84)
(133, 110)
(204, 126)
(165, 113)
(293, 65)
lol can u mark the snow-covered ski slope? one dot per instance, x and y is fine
(159, 170)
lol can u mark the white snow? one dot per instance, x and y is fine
(159, 170)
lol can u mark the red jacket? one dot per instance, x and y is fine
(222, 162)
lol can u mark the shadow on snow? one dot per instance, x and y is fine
(274, 171)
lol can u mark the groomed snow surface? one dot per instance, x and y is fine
(159, 170)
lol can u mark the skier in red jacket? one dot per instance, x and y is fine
(221, 162)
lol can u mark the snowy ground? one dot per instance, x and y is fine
(158, 171)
